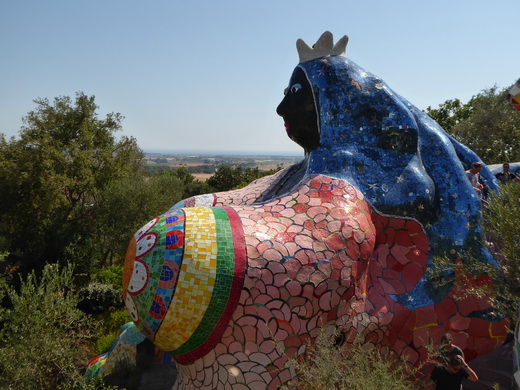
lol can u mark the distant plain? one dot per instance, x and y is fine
(203, 165)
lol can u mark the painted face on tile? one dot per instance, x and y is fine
(139, 278)
(298, 109)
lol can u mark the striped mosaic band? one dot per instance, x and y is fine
(196, 282)
(193, 262)
(156, 253)
(231, 262)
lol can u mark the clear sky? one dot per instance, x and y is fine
(208, 74)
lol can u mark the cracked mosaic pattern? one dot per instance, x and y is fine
(341, 240)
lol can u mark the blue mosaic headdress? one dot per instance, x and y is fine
(400, 159)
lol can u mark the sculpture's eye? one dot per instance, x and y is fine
(294, 88)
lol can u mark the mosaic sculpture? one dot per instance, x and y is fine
(514, 95)
(342, 239)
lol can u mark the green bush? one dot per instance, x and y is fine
(44, 339)
(104, 343)
(329, 365)
(112, 323)
(114, 320)
(112, 275)
(98, 298)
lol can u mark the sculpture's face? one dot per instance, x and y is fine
(298, 109)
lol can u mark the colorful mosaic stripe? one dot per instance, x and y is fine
(154, 258)
(230, 278)
(196, 280)
(187, 272)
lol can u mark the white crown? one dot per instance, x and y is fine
(322, 48)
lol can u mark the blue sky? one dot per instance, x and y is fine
(208, 75)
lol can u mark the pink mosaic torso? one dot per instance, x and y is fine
(322, 256)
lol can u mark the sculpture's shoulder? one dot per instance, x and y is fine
(243, 196)
(323, 186)
(249, 194)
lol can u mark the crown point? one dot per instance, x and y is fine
(323, 47)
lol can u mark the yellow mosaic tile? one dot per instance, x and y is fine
(196, 280)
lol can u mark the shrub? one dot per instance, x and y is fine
(112, 275)
(43, 343)
(501, 224)
(99, 297)
(112, 323)
(328, 365)
(104, 343)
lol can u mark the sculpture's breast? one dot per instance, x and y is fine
(314, 233)
(327, 238)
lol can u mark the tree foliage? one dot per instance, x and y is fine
(501, 225)
(51, 177)
(124, 205)
(450, 113)
(488, 124)
(498, 283)
(329, 365)
(99, 298)
(191, 185)
(44, 337)
(227, 178)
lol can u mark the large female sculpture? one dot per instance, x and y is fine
(342, 239)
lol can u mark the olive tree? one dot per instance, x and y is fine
(51, 177)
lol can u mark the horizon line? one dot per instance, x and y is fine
(223, 152)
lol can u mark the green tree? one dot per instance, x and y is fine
(450, 113)
(44, 339)
(227, 178)
(252, 174)
(493, 129)
(192, 186)
(488, 124)
(51, 177)
(125, 205)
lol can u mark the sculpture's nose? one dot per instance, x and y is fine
(282, 107)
